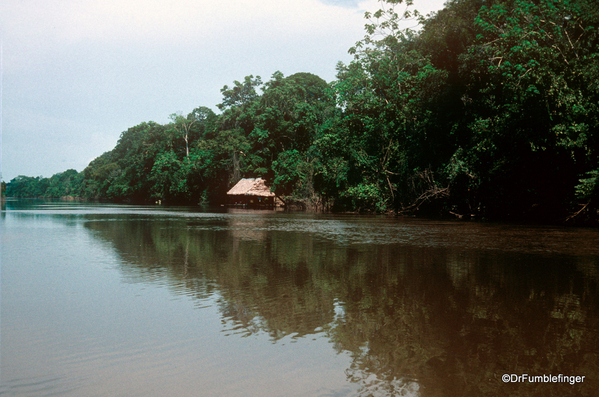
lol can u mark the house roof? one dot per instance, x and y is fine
(251, 187)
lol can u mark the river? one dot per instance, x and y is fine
(122, 300)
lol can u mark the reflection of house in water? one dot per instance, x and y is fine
(243, 229)
(251, 192)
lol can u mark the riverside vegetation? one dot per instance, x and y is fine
(489, 109)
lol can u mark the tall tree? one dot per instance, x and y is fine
(184, 126)
(387, 95)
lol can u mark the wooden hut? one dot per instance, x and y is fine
(251, 192)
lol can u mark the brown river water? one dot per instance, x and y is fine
(116, 300)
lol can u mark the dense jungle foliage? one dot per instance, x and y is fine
(489, 109)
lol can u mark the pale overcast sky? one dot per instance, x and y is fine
(77, 73)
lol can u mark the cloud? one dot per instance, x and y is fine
(39, 26)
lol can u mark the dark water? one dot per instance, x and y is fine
(104, 300)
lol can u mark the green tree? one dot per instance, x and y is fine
(287, 120)
(200, 117)
(169, 178)
(220, 161)
(27, 186)
(531, 104)
(241, 93)
(123, 173)
(67, 183)
(388, 95)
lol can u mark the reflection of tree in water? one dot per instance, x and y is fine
(265, 284)
(417, 321)
(412, 323)
(275, 299)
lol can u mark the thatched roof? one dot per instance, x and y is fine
(251, 187)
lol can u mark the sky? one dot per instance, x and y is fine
(77, 73)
